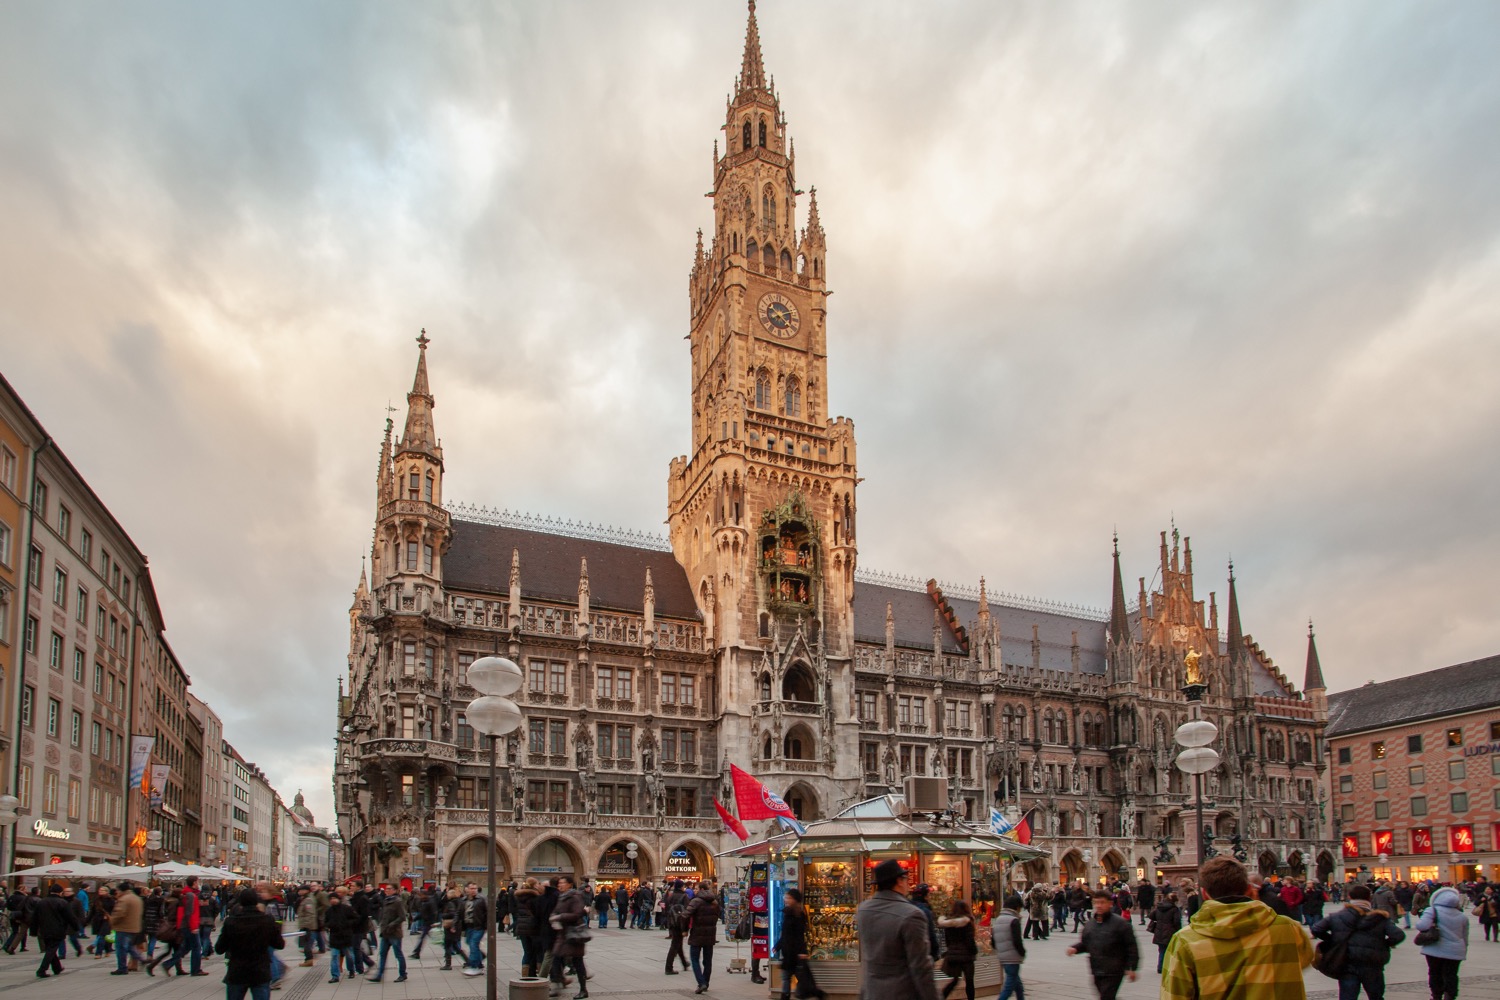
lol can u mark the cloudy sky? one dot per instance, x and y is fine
(1096, 266)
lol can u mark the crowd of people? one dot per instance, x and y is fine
(1228, 934)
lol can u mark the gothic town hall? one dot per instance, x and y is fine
(751, 636)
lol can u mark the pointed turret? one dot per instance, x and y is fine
(385, 483)
(1313, 679)
(419, 436)
(752, 66)
(1119, 619)
(1236, 638)
(813, 234)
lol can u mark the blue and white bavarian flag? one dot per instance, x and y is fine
(999, 824)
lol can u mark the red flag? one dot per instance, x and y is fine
(735, 826)
(1022, 832)
(754, 800)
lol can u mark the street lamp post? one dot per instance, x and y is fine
(493, 715)
(1195, 735)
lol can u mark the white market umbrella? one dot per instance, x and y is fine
(68, 869)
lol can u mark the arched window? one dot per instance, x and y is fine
(765, 747)
(752, 249)
(765, 687)
(815, 267)
(745, 133)
(786, 261)
(798, 685)
(1062, 729)
(768, 205)
(763, 390)
(1047, 726)
(428, 488)
(762, 131)
(793, 398)
(749, 207)
(769, 253)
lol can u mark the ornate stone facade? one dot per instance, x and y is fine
(755, 640)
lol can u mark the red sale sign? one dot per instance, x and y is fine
(1351, 845)
(1461, 839)
(1383, 841)
(1421, 841)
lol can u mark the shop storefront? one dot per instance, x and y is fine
(470, 863)
(833, 865)
(551, 858)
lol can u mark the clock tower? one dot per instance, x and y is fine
(762, 511)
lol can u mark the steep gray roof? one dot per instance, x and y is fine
(1463, 687)
(479, 560)
(912, 611)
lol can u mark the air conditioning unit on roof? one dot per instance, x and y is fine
(926, 794)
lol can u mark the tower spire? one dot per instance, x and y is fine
(1236, 638)
(418, 435)
(1313, 680)
(752, 66)
(1119, 621)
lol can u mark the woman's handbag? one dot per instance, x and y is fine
(1431, 935)
(578, 934)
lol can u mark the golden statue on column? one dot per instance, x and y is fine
(1191, 670)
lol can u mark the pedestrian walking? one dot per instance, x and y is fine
(895, 957)
(1145, 897)
(703, 932)
(1010, 949)
(247, 941)
(54, 920)
(918, 897)
(1036, 912)
(99, 922)
(474, 918)
(570, 918)
(677, 925)
(392, 921)
(1079, 902)
(169, 934)
(792, 946)
(1235, 948)
(307, 924)
(1369, 934)
(342, 924)
(960, 948)
(523, 902)
(1166, 920)
(1488, 908)
(427, 918)
(1314, 896)
(1445, 914)
(1109, 942)
(602, 901)
(126, 920)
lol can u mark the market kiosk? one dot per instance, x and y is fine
(833, 864)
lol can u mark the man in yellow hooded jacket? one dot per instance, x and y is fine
(1235, 947)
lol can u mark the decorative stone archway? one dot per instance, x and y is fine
(467, 860)
(615, 863)
(804, 802)
(1072, 867)
(1266, 863)
(689, 860)
(1325, 866)
(554, 855)
(1111, 863)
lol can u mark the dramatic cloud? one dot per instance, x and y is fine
(1096, 265)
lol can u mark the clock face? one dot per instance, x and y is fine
(778, 315)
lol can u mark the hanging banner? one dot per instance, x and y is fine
(1421, 840)
(159, 774)
(140, 756)
(1383, 841)
(1461, 839)
(1351, 845)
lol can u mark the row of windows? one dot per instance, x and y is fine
(110, 570)
(1414, 744)
(105, 806)
(1458, 802)
(1458, 770)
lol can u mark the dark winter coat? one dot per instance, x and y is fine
(1165, 921)
(571, 910)
(246, 940)
(793, 940)
(958, 939)
(344, 925)
(1145, 895)
(525, 907)
(703, 920)
(53, 919)
(1110, 945)
(1371, 934)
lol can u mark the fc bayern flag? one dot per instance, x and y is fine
(1022, 831)
(754, 800)
(735, 826)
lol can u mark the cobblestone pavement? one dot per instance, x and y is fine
(630, 963)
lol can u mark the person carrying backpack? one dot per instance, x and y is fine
(1371, 933)
(677, 925)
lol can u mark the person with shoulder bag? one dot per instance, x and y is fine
(1443, 939)
(1368, 933)
(1010, 947)
(1166, 920)
(792, 946)
(570, 918)
(703, 932)
(959, 948)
